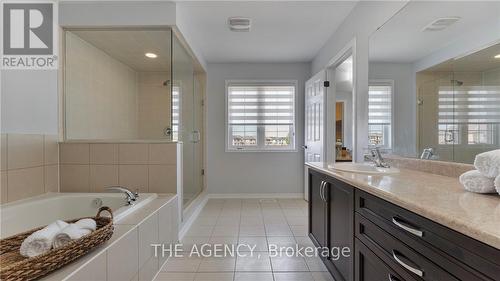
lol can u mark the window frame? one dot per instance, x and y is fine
(390, 83)
(260, 129)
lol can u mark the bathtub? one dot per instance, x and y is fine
(41, 210)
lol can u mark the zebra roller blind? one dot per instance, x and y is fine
(379, 105)
(261, 105)
(469, 105)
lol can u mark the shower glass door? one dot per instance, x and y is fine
(186, 120)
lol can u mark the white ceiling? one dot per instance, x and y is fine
(402, 40)
(129, 46)
(281, 31)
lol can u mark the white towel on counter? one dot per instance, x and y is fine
(497, 184)
(74, 231)
(488, 163)
(40, 241)
(475, 181)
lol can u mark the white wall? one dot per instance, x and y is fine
(364, 19)
(404, 104)
(251, 172)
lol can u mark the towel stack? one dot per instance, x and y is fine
(55, 235)
(486, 177)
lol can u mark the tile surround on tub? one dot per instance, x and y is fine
(29, 165)
(147, 167)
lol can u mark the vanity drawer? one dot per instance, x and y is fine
(430, 238)
(403, 257)
(369, 267)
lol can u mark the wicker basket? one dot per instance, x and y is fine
(16, 267)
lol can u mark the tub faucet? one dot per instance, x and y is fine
(376, 157)
(131, 196)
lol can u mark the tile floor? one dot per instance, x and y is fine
(281, 222)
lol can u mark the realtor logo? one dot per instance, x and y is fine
(28, 35)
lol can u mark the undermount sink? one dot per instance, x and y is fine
(362, 168)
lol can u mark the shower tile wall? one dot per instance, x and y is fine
(90, 167)
(29, 165)
(154, 104)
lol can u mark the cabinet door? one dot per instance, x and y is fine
(317, 210)
(340, 234)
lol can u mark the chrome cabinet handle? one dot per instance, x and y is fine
(321, 190)
(325, 186)
(403, 264)
(411, 230)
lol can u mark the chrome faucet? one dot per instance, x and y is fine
(376, 157)
(428, 153)
(131, 196)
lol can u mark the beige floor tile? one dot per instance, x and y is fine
(184, 264)
(212, 264)
(258, 261)
(215, 276)
(315, 264)
(175, 276)
(282, 241)
(278, 230)
(198, 230)
(322, 276)
(252, 230)
(293, 276)
(256, 243)
(299, 230)
(285, 263)
(222, 230)
(253, 276)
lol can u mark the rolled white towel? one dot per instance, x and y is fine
(40, 241)
(474, 181)
(488, 163)
(497, 184)
(68, 234)
(86, 224)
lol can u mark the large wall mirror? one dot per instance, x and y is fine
(434, 81)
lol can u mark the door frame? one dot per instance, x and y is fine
(348, 50)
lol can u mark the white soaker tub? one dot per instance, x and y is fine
(23, 215)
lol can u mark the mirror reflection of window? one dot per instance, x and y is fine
(380, 114)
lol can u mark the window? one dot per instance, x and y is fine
(448, 134)
(468, 115)
(260, 115)
(380, 113)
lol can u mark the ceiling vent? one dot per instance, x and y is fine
(440, 24)
(239, 24)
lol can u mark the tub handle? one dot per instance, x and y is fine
(107, 209)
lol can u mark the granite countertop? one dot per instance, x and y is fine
(439, 198)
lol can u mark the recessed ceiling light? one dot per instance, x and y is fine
(151, 55)
(497, 56)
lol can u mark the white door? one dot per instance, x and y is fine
(314, 123)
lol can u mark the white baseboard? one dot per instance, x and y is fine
(255, 195)
(194, 210)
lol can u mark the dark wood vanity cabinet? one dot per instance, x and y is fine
(331, 210)
(389, 242)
